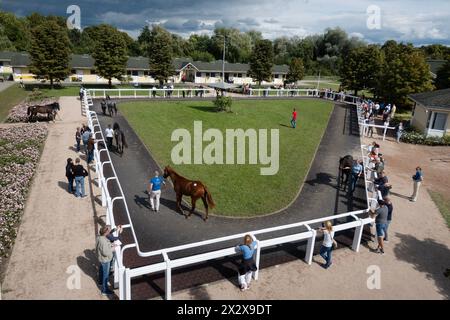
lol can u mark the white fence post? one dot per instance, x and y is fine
(127, 284)
(122, 283)
(310, 247)
(258, 258)
(168, 276)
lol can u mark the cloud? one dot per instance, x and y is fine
(271, 21)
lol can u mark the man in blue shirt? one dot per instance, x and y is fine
(154, 190)
(357, 171)
(417, 179)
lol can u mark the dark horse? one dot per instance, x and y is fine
(345, 169)
(112, 108)
(193, 189)
(120, 138)
(50, 109)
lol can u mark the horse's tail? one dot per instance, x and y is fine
(209, 198)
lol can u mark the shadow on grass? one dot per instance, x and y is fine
(211, 109)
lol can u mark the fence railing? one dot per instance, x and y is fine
(123, 275)
(150, 93)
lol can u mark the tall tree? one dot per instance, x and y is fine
(16, 30)
(49, 51)
(442, 80)
(361, 68)
(5, 43)
(160, 54)
(110, 54)
(261, 61)
(296, 70)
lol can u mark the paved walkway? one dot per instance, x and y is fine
(57, 231)
(5, 85)
(412, 268)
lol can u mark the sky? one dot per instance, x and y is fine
(416, 21)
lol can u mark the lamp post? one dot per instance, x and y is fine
(223, 60)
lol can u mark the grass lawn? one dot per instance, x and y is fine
(9, 98)
(238, 190)
(443, 204)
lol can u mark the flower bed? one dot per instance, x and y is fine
(20, 149)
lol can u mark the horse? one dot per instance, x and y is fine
(112, 108)
(193, 189)
(345, 168)
(120, 139)
(50, 110)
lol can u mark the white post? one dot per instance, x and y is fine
(357, 237)
(135, 93)
(168, 277)
(310, 247)
(127, 284)
(384, 132)
(122, 283)
(116, 273)
(258, 258)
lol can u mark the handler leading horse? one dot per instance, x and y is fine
(193, 189)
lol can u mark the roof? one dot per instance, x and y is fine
(439, 99)
(435, 65)
(85, 61)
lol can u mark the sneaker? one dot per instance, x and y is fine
(382, 252)
(243, 287)
(107, 293)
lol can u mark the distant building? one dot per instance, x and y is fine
(431, 112)
(138, 71)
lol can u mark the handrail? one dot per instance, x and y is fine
(124, 274)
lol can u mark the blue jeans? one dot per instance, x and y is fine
(386, 231)
(293, 123)
(325, 252)
(78, 145)
(103, 276)
(353, 182)
(90, 156)
(79, 186)
(85, 143)
(70, 187)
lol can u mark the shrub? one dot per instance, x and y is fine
(223, 103)
(411, 135)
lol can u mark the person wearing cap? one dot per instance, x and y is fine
(154, 190)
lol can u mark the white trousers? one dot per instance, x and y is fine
(416, 190)
(155, 195)
(245, 279)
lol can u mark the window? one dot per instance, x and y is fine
(199, 74)
(73, 71)
(439, 121)
(239, 75)
(213, 74)
(93, 71)
(208, 74)
(1, 63)
(128, 73)
(134, 73)
(276, 76)
(146, 73)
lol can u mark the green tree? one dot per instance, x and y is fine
(361, 68)
(296, 70)
(49, 51)
(5, 43)
(160, 54)
(16, 30)
(110, 53)
(404, 71)
(261, 61)
(442, 80)
(144, 40)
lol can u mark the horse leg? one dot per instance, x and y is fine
(205, 203)
(179, 196)
(193, 201)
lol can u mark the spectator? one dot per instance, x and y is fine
(114, 240)
(109, 133)
(390, 207)
(90, 148)
(393, 110)
(103, 248)
(381, 180)
(85, 136)
(69, 175)
(79, 173)
(417, 180)
(381, 215)
(371, 123)
(78, 138)
(385, 189)
(357, 171)
(248, 265)
(294, 119)
(81, 93)
(399, 131)
(327, 244)
(103, 106)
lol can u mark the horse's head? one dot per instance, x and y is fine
(167, 171)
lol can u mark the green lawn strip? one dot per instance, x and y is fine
(443, 204)
(238, 190)
(9, 98)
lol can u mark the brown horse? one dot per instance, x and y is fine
(193, 189)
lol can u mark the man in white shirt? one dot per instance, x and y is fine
(109, 132)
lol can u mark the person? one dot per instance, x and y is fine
(393, 110)
(294, 119)
(103, 105)
(81, 93)
(399, 131)
(154, 92)
(417, 180)
(154, 190)
(21, 83)
(247, 266)
(381, 180)
(114, 240)
(85, 136)
(371, 123)
(357, 171)
(69, 175)
(328, 243)
(103, 248)
(90, 148)
(79, 173)
(390, 207)
(381, 215)
(78, 138)
(384, 189)
(109, 132)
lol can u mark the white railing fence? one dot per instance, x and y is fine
(123, 275)
(150, 93)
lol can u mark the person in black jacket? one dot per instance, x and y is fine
(69, 175)
(79, 173)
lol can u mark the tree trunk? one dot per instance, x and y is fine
(356, 92)
(109, 83)
(51, 83)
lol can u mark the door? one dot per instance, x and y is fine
(437, 124)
